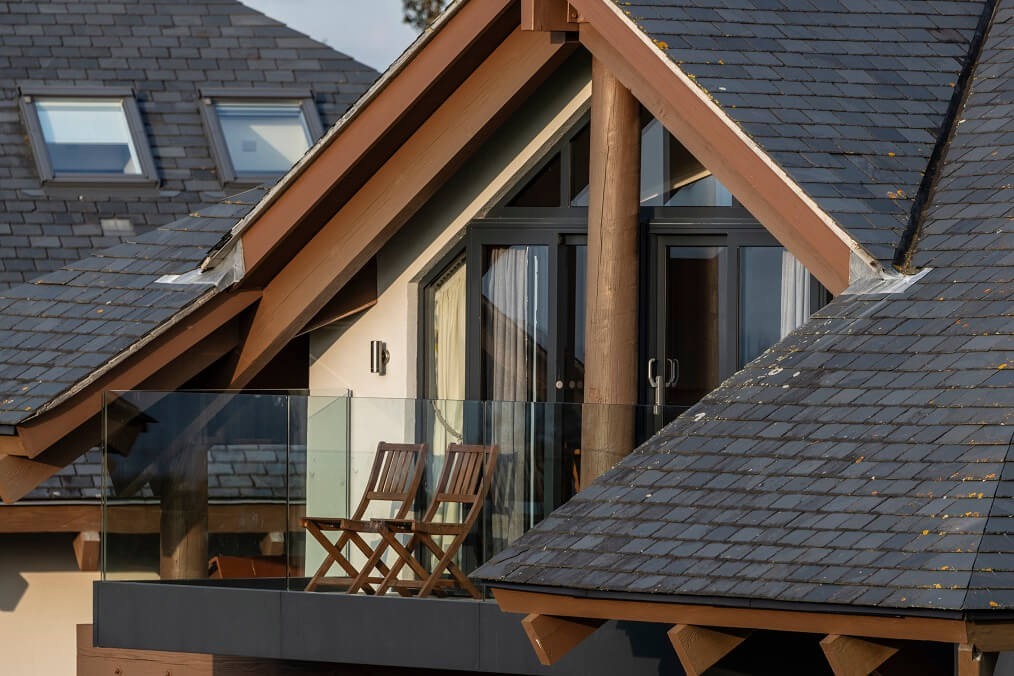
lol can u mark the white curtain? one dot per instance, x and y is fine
(795, 294)
(510, 337)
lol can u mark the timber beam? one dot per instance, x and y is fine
(700, 648)
(553, 637)
(358, 230)
(970, 661)
(849, 656)
(986, 637)
(548, 16)
(87, 549)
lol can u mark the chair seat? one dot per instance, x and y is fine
(337, 523)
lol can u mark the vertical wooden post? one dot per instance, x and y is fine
(183, 528)
(968, 661)
(611, 324)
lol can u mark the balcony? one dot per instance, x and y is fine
(204, 550)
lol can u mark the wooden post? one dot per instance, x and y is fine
(87, 550)
(610, 375)
(184, 517)
(968, 661)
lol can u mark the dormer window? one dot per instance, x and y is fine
(93, 136)
(257, 136)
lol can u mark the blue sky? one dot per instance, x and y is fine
(368, 30)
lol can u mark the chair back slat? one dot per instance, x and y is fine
(395, 476)
(459, 481)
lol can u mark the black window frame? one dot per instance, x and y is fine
(227, 174)
(148, 176)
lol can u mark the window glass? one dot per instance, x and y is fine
(544, 188)
(515, 323)
(263, 138)
(87, 136)
(774, 290)
(704, 192)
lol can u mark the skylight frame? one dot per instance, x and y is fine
(147, 175)
(210, 98)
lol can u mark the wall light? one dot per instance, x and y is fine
(379, 356)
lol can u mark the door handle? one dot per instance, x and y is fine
(674, 372)
(652, 375)
(656, 383)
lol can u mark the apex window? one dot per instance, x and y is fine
(94, 136)
(257, 139)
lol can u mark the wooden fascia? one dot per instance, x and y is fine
(333, 163)
(870, 626)
(56, 438)
(763, 187)
(412, 174)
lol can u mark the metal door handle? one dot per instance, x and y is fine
(674, 372)
(652, 376)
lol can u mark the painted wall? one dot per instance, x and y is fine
(43, 597)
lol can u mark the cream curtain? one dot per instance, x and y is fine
(449, 348)
(795, 294)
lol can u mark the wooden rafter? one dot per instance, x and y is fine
(553, 637)
(700, 648)
(359, 229)
(547, 16)
(850, 656)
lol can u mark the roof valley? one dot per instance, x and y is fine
(924, 198)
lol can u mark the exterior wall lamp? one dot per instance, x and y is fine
(379, 356)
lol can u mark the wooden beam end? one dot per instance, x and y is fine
(850, 656)
(547, 16)
(553, 637)
(273, 544)
(700, 648)
(87, 550)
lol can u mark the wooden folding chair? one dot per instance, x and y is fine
(465, 479)
(395, 477)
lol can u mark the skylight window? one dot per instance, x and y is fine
(258, 138)
(87, 137)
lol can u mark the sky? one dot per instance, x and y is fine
(369, 31)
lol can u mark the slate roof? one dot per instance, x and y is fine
(166, 50)
(866, 459)
(56, 331)
(848, 96)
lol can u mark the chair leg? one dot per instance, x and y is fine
(374, 561)
(445, 562)
(404, 556)
(334, 556)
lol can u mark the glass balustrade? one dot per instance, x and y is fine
(202, 484)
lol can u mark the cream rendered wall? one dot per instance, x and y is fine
(43, 597)
(381, 406)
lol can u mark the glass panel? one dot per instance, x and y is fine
(515, 325)
(653, 163)
(704, 192)
(188, 493)
(774, 298)
(543, 190)
(692, 313)
(87, 136)
(580, 153)
(263, 138)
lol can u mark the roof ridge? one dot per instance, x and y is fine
(927, 188)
